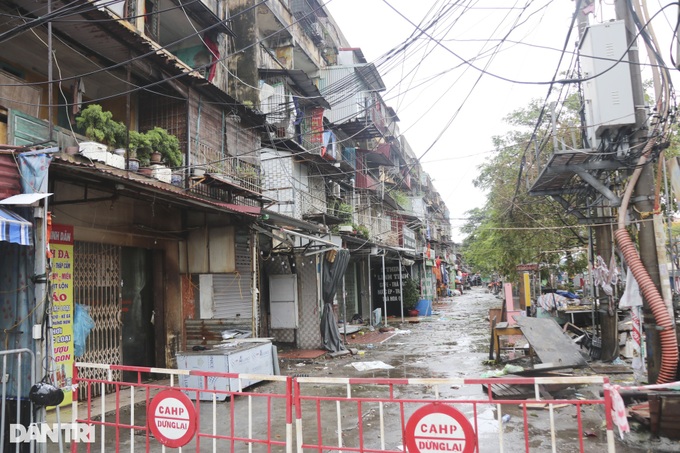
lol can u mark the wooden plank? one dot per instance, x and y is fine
(665, 415)
(550, 343)
(504, 391)
(605, 368)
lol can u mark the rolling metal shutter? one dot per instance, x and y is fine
(232, 293)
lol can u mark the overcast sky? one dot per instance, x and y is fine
(448, 109)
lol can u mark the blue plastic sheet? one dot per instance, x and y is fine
(82, 325)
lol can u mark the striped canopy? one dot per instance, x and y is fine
(14, 228)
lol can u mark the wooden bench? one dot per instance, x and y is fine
(208, 332)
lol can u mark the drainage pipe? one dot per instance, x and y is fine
(669, 341)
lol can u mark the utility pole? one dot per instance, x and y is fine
(643, 195)
(603, 247)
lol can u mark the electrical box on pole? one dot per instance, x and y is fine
(607, 91)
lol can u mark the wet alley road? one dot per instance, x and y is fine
(454, 343)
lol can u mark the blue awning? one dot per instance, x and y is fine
(14, 228)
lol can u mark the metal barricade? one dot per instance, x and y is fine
(18, 375)
(146, 414)
(447, 415)
(209, 411)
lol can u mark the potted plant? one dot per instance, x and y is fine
(345, 211)
(363, 231)
(167, 145)
(139, 149)
(118, 134)
(104, 134)
(95, 124)
(410, 294)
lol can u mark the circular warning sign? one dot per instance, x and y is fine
(438, 428)
(171, 417)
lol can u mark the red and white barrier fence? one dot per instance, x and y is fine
(158, 409)
(167, 408)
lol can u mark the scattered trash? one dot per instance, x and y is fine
(507, 369)
(506, 418)
(401, 331)
(538, 404)
(618, 361)
(365, 366)
(589, 434)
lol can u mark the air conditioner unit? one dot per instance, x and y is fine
(336, 189)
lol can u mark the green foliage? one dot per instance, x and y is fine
(166, 144)
(98, 125)
(514, 227)
(400, 198)
(140, 147)
(119, 134)
(363, 230)
(95, 124)
(410, 293)
(345, 212)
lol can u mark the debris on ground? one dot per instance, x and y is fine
(367, 366)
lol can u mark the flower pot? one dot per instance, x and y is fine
(71, 150)
(156, 157)
(413, 312)
(133, 164)
(146, 171)
(176, 180)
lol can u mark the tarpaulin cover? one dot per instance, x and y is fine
(333, 274)
(14, 228)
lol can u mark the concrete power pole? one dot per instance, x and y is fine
(603, 246)
(643, 195)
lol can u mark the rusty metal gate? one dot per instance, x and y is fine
(97, 280)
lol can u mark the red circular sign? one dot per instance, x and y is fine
(438, 427)
(171, 417)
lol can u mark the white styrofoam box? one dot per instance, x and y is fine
(98, 152)
(115, 160)
(161, 173)
(93, 151)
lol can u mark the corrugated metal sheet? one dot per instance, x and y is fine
(10, 183)
(232, 293)
(344, 91)
(160, 189)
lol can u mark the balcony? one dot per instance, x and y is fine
(380, 155)
(366, 181)
(233, 178)
(349, 155)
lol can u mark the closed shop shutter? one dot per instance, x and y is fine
(232, 293)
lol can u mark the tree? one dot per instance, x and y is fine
(514, 227)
